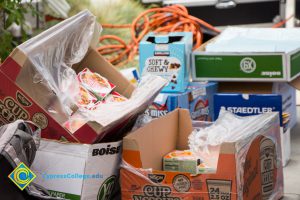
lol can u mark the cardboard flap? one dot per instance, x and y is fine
(154, 140)
(185, 128)
(296, 83)
(245, 87)
(97, 63)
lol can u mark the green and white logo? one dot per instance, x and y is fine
(248, 65)
(107, 188)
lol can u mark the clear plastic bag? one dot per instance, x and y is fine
(50, 57)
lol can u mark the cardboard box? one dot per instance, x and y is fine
(283, 89)
(198, 98)
(248, 66)
(78, 171)
(32, 97)
(241, 173)
(246, 105)
(167, 55)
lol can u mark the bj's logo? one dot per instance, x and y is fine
(10, 110)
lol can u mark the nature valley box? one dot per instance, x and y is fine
(249, 171)
(78, 171)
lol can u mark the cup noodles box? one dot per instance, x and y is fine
(167, 55)
(80, 171)
(39, 83)
(247, 169)
(246, 105)
(198, 98)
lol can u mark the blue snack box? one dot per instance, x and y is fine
(168, 56)
(201, 98)
(198, 98)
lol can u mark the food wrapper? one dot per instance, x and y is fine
(95, 83)
(86, 99)
(115, 97)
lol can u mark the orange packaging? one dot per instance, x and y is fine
(249, 169)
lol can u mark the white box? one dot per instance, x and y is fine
(63, 169)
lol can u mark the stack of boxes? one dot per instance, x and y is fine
(168, 55)
(254, 71)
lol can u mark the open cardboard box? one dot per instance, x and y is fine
(240, 174)
(80, 171)
(30, 93)
(288, 105)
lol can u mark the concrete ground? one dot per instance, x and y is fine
(292, 170)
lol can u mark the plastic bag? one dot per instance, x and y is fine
(51, 56)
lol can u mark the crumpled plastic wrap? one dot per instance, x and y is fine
(107, 113)
(228, 128)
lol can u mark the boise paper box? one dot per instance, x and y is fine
(78, 171)
(249, 171)
(37, 85)
(167, 55)
(198, 98)
(266, 59)
(245, 105)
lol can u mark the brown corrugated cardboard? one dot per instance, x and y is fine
(144, 149)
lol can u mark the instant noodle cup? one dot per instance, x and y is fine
(115, 97)
(86, 99)
(95, 83)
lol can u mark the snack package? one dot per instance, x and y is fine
(95, 83)
(184, 161)
(86, 99)
(114, 97)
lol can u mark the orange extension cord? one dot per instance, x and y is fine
(166, 19)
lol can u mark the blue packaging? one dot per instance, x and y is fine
(198, 98)
(168, 56)
(246, 105)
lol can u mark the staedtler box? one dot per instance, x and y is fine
(248, 169)
(198, 98)
(268, 59)
(284, 89)
(167, 55)
(78, 171)
(253, 104)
